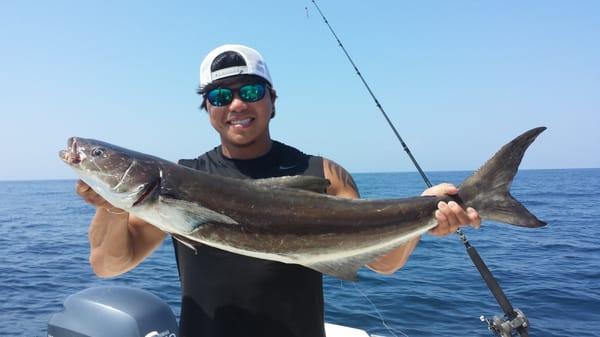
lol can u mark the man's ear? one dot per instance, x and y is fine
(273, 95)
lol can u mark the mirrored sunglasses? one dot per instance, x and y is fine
(248, 93)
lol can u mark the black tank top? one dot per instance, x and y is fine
(230, 295)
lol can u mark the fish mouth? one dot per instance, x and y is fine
(70, 155)
(148, 191)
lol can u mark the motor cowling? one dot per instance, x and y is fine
(113, 311)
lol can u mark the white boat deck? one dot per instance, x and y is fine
(334, 330)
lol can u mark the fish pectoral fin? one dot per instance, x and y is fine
(307, 183)
(336, 269)
(186, 242)
(185, 217)
(345, 268)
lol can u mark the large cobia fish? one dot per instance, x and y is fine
(284, 219)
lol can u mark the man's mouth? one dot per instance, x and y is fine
(240, 122)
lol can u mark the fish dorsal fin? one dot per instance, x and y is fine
(307, 183)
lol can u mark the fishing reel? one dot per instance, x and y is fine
(503, 326)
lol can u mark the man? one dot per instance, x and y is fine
(229, 295)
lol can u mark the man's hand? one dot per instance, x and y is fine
(450, 216)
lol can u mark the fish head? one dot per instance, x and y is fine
(123, 177)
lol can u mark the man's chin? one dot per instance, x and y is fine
(240, 142)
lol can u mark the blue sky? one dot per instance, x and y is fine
(458, 79)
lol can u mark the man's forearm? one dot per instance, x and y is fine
(111, 248)
(394, 260)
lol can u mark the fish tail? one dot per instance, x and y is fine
(487, 190)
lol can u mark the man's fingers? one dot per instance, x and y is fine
(81, 188)
(460, 214)
(441, 218)
(441, 228)
(451, 216)
(449, 189)
(449, 213)
(95, 199)
(474, 218)
(441, 189)
(89, 195)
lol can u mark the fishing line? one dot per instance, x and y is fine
(484, 271)
(389, 329)
(383, 322)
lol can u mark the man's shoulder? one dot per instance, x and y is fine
(288, 149)
(293, 161)
(192, 163)
(201, 160)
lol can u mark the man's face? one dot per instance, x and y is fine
(241, 123)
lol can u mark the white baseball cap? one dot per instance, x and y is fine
(255, 65)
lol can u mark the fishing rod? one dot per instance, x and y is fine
(513, 319)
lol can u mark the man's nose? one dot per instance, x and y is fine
(237, 104)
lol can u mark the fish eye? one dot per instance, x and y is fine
(97, 151)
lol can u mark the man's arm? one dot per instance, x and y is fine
(341, 182)
(450, 216)
(119, 241)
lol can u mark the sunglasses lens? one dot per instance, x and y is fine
(252, 92)
(220, 96)
(248, 93)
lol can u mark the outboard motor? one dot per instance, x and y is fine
(113, 311)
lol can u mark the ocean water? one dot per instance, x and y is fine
(551, 273)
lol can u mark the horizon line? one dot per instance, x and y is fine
(352, 173)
